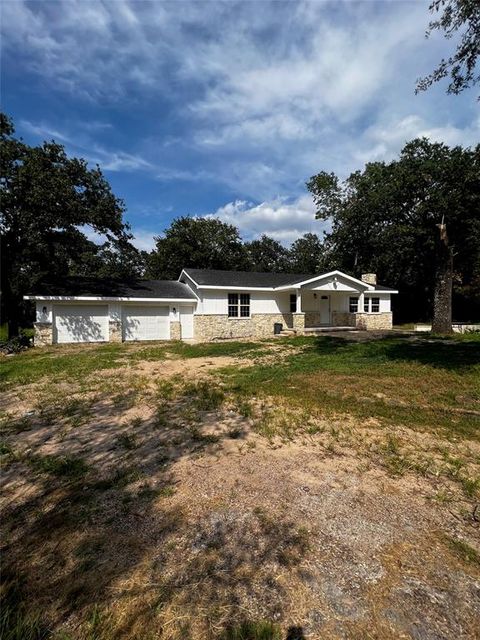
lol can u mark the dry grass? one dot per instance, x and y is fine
(161, 501)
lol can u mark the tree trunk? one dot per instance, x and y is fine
(442, 296)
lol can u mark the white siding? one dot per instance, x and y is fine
(215, 302)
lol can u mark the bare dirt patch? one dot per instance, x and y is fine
(194, 510)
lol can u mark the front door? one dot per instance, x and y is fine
(324, 309)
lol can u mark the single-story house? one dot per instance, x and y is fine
(205, 304)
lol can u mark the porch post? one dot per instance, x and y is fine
(299, 317)
(299, 301)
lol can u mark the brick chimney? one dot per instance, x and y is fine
(369, 278)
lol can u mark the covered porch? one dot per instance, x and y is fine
(336, 301)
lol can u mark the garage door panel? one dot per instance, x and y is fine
(82, 323)
(146, 323)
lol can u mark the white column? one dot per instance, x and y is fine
(299, 301)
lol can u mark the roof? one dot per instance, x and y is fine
(112, 288)
(219, 278)
(260, 279)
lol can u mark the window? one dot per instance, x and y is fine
(245, 305)
(233, 305)
(375, 305)
(353, 306)
(293, 303)
(366, 305)
(238, 305)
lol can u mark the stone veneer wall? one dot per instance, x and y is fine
(175, 330)
(343, 319)
(115, 331)
(374, 321)
(259, 325)
(312, 318)
(43, 334)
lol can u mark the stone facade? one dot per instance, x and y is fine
(374, 321)
(312, 318)
(175, 330)
(259, 325)
(299, 322)
(115, 331)
(43, 334)
(343, 319)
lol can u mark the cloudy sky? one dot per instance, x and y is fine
(226, 108)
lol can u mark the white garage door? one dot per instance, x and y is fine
(146, 323)
(81, 323)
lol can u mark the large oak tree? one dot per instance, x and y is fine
(47, 199)
(415, 221)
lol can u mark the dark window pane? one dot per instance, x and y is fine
(375, 305)
(353, 305)
(366, 304)
(293, 303)
(233, 298)
(244, 298)
(233, 311)
(244, 311)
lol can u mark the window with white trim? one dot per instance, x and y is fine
(238, 305)
(375, 305)
(366, 305)
(293, 303)
(353, 304)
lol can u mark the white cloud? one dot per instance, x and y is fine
(261, 95)
(282, 220)
(144, 239)
(80, 143)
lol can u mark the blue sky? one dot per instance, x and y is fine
(210, 108)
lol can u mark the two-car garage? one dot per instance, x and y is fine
(90, 323)
(93, 310)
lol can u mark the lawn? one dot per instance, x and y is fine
(290, 488)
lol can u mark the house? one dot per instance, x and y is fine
(207, 305)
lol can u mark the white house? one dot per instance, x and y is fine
(208, 305)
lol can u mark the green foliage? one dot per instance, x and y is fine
(461, 65)
(307, 254)
(384, 220)
(46, 196)
(59, 465)
(251, 630)
(205, 243)
(205, 395)
(267, 254)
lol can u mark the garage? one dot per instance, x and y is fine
(80, 323)
(143, 322)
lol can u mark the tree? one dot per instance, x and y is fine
(267, 254)
(46, 199)
(461, 65)
(306, 254)
(385, 219)
(198, 243)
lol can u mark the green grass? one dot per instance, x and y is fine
(75, 362)
(424, 383)
(253, 631)
(59, 465)
(464, 550)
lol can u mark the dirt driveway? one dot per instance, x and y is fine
(144, 501)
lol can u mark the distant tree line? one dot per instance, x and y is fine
(384, 219)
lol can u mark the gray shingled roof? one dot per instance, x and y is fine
(218, 278)
(111, 288)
